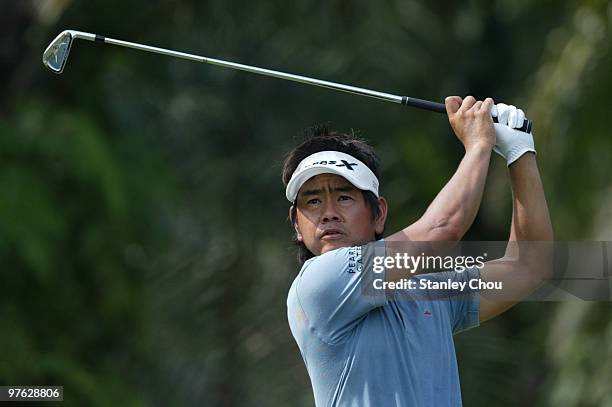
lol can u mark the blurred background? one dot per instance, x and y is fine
(144, 243)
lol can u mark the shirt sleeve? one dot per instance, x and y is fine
(464, 307)
(334, 293)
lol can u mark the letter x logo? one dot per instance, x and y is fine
(347, 165)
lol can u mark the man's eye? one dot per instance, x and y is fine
(313, 201)
(345, 197)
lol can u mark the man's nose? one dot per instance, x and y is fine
(330, 212)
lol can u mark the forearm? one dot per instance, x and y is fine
(530, 216)
(454, 209)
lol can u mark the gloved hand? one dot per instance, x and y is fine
(510, 143)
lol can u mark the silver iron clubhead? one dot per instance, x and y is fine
(56, 54)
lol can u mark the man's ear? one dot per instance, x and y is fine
(298, 235)
(379, 222)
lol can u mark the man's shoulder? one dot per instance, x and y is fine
(348, 257)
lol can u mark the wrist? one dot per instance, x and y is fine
(525, 159)
(481, 145)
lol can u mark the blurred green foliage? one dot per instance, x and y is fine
(144, 246)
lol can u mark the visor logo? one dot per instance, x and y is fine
(345, 163)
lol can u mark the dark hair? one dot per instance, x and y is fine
(322, 138)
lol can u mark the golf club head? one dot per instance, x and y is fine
(56, 54)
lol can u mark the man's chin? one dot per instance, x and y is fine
(329, 246)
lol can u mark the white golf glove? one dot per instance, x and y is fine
(510, 143)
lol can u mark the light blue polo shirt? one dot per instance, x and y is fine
(369, 351)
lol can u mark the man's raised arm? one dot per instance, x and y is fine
(453, 210)
(528, 259)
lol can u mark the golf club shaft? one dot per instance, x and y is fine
(404, 100)
(268, 72)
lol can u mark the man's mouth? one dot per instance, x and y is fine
(332, 234)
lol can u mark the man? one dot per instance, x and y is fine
(385, 349)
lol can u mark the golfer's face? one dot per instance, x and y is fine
(332, 213)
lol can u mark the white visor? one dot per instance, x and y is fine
(332, 162)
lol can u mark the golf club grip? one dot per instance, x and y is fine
(526, 127)
(424, 104)
(440, 108)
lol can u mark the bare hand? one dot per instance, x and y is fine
(471, 121)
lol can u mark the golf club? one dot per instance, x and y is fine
(56, 55)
